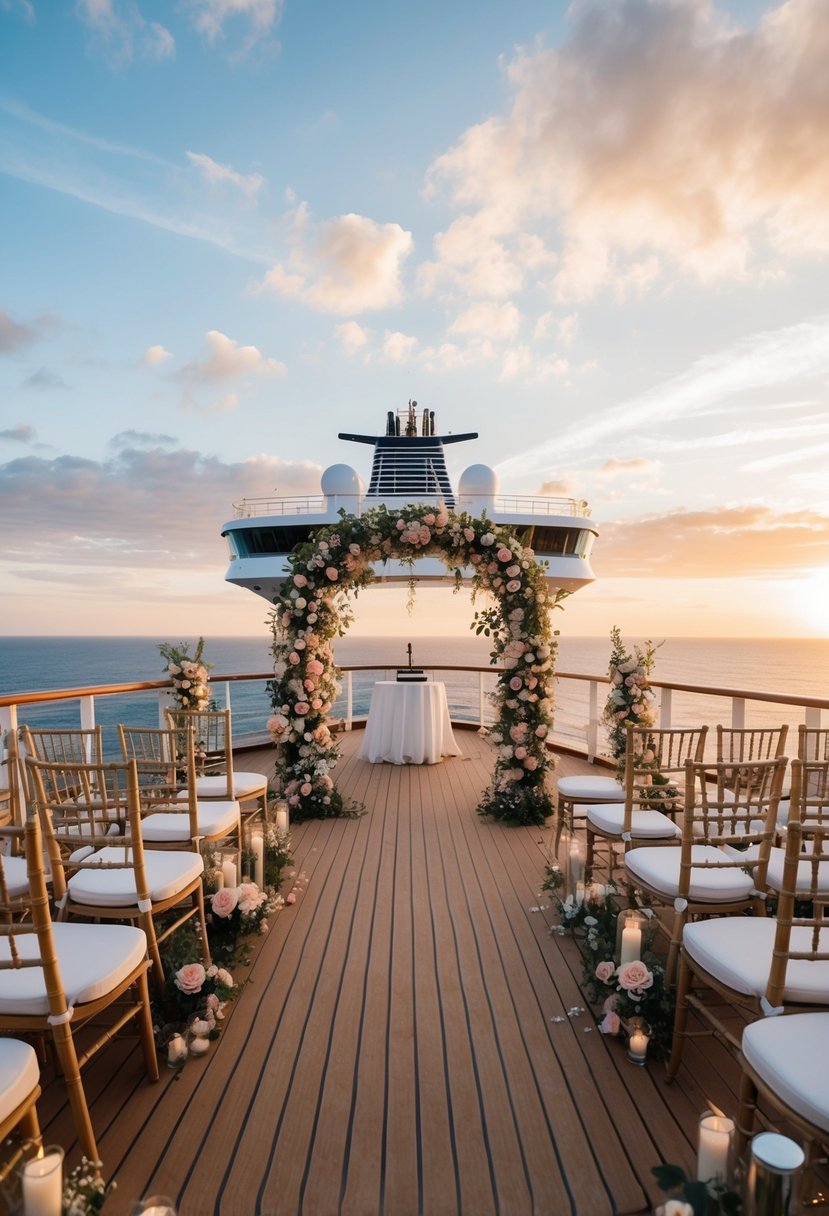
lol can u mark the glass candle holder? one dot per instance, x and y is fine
(639, 1037)
(630, 935)
(283, 821)
(775, 1167)
(715, 1146)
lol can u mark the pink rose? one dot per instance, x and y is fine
(531, 763)
(513, 585)
(516, 683)
(315, 667)
(293, 658)
(332, 573)
(610, 1003)
(634, 976)
(302, 708)
(469, 535)
(316, 703)
(190, 978)
(520, 753)
(604, 971)
(441, 519)
(400, 525)
(504, 555)
(224, 901)
(429, 519)
(300, 580)
(305, 789)
(541, 731)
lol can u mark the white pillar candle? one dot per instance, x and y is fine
(714, 1149)
(220, 879)
(631, 944)
(42, 1181)
(257, 846)
(282, 818)
(229, 872)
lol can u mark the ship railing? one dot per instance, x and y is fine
(579, 697)
(353, 504)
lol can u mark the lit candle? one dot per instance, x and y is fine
(42, 1181)
(631, 950)
(219, 879)
(229, 872)
(176, 1051)
(257, 845)
(714, 1149)
(282, 818)
(638, 1046)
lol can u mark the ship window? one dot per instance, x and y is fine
(253, 542)
(559, 542)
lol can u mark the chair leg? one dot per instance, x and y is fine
(145, 1027)
(65, 1048)
(673, 949)
(148, 925)
(747, 1111)
(680, 1017)
(30, 1126)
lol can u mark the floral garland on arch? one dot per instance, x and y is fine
(631, 700)
(190, 677)
(313, 609)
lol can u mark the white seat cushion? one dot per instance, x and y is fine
(214, 819)
(245, 786)
(789, 1054)
(737, 951)
(659, 869)
(167, 874)
(19, 1075)
(591, 789)
(93, 959)
(645, 825)
(17, 879)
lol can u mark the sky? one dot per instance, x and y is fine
(594, 233)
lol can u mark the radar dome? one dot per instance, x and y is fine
(340, 479)
(478, 481)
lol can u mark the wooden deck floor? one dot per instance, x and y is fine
(395, 1050)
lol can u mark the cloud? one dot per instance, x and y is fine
(556, 489)
(226, 360)
(44, 379)
(352, 337)
(210, 16)
(22, 433)
(497, 321)
(144, 439)
(728, 542)
(216, 174)
(138, 509)
(154, 355)
(658, 135)
(398, 347)
(710, 385)
(13, 335)
(637, 465)
(348, 264)
(120, 30)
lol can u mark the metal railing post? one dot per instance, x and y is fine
(349, 699)
(738, 713)
(813, 717)
(665, 708)
(481, 699)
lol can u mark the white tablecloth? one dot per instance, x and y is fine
(408, 724)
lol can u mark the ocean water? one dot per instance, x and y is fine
(798, 667)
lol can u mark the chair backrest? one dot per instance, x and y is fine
(212, 740)
(802, 928)
(812, 743)
(750, 743)
(105, 812)
(654, 776)
(12, 776)
(26, 938)
(58, 746)
(166, 767)
(733, 804)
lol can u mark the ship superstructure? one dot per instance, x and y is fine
(409, 466)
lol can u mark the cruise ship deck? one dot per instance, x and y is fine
(404, 1042)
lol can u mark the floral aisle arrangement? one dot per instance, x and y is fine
(84, 1190)
(622, 991)
(313, 609)
(190, 676)
(631, 701)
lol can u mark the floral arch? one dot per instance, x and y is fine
(313, 608)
